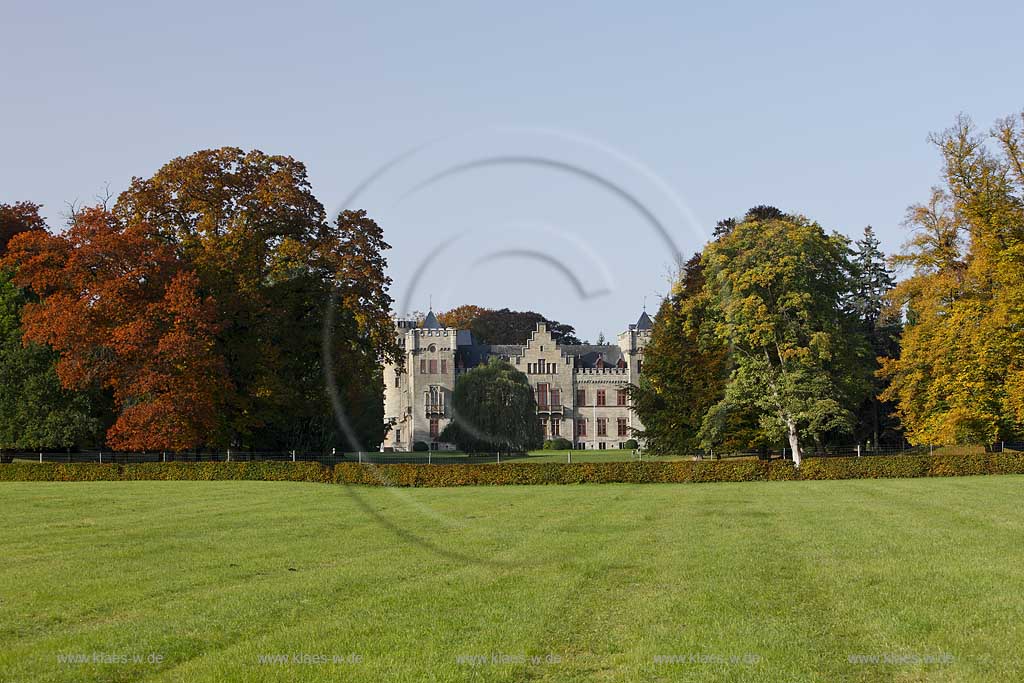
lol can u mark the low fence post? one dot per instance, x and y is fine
(568, 454)
(428, 457)
(499, 457)
(40, 457)
(360, 454)
(858, 450)
(293, 456)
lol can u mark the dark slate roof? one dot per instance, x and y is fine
(472, 355)
(431, 322)
(644, 323)
(588, 354)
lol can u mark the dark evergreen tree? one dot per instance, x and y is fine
(871, 282)
(684, 368)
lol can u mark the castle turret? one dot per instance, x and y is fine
(417, 397)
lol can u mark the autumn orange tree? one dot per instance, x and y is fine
(18, 218)
(123, 312)
(36, 412)
(213, 300)
(261, 246)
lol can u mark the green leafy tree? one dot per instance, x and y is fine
(505, 326)
(494, 410)
(778, 288)
(36, 412)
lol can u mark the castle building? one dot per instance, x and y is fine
(580, 390)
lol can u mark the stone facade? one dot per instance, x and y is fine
(580, 390)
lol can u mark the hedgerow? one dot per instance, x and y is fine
(876, 467)
(169, 471)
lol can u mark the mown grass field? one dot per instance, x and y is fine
(768, 581)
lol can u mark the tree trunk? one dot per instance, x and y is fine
(794, 442)
(875, 404)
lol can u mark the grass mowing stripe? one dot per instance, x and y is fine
(799, 573)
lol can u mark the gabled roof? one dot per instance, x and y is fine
(431, 322)
(644, 323)
(587, 355)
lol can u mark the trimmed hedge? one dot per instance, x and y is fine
(167, 471)
(874, 467)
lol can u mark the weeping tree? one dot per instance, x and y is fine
(493, 409)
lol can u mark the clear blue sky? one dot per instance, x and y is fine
(822, 110)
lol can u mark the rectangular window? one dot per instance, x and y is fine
(600, 397)
(544, 426)
(556, 427)
(434, 427)
(581, 427)
(623, 427)
(541, 366)
(556, 397)
(639, 366)
(620, 397)
(423, 366)
(602, 426)
(581, 397)
(433, 366)
(542, 395)
(398, 377)
(444, 369)
(398, 435)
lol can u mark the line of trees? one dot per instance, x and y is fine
(504, 326)
(780, 333)
(203, 309)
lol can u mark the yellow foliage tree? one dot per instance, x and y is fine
(960, 374)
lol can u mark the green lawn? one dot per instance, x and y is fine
(609, 455)
(768, 581)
